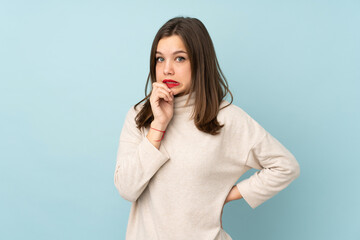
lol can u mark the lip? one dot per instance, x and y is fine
(169, 80)
(171, 83)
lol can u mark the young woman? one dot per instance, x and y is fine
(183, 149)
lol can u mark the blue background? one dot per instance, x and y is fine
(70, 70)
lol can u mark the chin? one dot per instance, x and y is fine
(178, 94)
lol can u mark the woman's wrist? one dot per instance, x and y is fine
(158, 125)
(156, 133)
(234, 194)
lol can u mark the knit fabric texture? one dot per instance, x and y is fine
(178, 191)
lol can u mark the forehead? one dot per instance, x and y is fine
(170, 44)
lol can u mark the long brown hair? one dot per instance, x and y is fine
(207, 78)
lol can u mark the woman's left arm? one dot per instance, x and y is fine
(234, 194)
(278, 168)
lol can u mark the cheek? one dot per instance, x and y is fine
(188, 73)
(185, 72)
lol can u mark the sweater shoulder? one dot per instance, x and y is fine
(238, 120)
(130, 118)
(232, 111)
(133, 111)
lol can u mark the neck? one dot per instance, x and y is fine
(180, 106)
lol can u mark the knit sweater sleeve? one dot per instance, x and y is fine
(137, 160)
(278, 168)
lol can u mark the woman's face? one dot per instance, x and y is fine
(172, 63)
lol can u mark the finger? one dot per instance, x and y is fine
(168, 95)
(162, 85)
(161, 93)
(163, 88)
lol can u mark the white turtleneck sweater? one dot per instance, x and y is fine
(178, 191)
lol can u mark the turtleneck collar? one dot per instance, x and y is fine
(179, 104)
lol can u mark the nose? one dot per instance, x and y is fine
(168, 68)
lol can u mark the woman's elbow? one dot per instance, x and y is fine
(294, 168)
(290, 169)
(124, 191)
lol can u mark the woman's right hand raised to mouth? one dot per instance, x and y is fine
(162, 103)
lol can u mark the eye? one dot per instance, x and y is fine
(159, 59)
(180, 59)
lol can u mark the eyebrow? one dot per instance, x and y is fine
(176, 52)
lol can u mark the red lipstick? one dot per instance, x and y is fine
(171, 83)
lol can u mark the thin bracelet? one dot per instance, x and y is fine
(159, 131)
